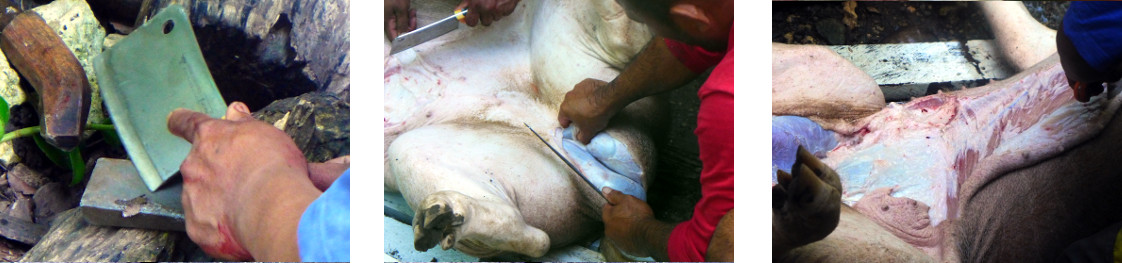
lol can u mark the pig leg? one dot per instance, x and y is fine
(485, 189)
(817, 83)
(809, 223)
(805, 204)
(441, 219)
(1023, 41)
(856, 239)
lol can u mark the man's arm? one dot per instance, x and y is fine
(654, 70)
(630, 224)
(656, 234)
(268, 229)
(245, 185)
(592, 103)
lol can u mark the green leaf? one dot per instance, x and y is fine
(77, 166)
(54, 154)
(111, 138)
(3, 112)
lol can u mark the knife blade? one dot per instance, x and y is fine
(566, 160)
(428, 32)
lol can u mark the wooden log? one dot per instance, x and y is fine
(20, 230)
(36, 52)
(72, 239)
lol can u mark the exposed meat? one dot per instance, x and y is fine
(940, 149)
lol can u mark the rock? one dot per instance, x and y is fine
(19, 186)
(11, 92)
(52, 199)
(72, 239)
(319, 123)
(9, 83)
(261, 51)
(21, 209)
(32, 178)
(76, 24)
(8, 154)
(112, 39)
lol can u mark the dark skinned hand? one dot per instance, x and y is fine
(399, 18)
(622, 215)
(486, 11)
(586, 109)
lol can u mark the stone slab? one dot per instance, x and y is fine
(116, 196)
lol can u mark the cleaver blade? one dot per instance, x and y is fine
(428, 32)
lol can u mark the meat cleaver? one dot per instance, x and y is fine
(145, 76)
(428, 32)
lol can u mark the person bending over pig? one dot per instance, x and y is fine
(1091, 54)
(1090, 46)
(692, 36)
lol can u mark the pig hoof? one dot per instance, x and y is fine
(445, 218)
(806, 204)
(435, 223)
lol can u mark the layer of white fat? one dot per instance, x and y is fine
(917, 150)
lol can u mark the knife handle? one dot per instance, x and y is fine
(459, 13)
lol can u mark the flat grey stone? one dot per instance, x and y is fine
(116, 196)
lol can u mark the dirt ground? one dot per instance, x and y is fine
(832, 23)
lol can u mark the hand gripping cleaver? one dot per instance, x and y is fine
(145, 76)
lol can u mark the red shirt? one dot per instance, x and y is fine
(690, 240)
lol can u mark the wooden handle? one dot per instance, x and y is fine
(37, 53)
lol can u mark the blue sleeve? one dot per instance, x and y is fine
(787, 133)
(1095, 28)
(324, 233)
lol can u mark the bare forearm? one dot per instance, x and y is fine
(269, 231)
(657, 236)
(654, 70)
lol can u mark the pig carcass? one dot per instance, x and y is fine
(456, 144)
(1016, 170)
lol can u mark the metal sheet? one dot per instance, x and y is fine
(910, 70)
(145, 76)
(115, 196)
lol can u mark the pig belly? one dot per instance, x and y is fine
(455, 141)
(941, 149)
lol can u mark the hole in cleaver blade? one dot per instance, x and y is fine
(145, 76)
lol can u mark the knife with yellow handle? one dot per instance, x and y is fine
(428, 32)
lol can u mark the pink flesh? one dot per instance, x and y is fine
(938, 149)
